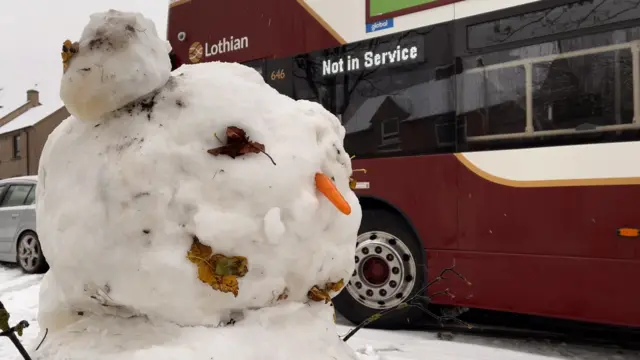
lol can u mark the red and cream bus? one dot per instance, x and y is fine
(499, 135)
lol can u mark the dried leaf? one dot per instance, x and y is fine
(238, 143)
(284, 295)
(68, 51)
(317, 294)
(4, 318)
(334, 286)
(20, 328)
(218, 271)
(352, 183)
(234, 265)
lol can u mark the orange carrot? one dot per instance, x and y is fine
(328, 189)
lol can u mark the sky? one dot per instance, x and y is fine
(32, 33)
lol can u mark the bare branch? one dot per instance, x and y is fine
(419, 301)
(11, 331)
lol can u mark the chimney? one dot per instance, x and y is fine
(33, 97)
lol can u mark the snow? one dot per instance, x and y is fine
(20, 294)
(31, 117)
(266, 330)
(105, 182)
(121, 59)
(8, 107)
(126, 185)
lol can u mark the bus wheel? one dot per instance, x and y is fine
(389, 269)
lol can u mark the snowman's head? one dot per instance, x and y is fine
(118, 59)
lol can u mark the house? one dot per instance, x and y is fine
(7, 114)
(23, 133)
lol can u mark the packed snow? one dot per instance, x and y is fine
(20, 294)
(99, 81)
(129, 185)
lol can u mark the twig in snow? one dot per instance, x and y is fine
(10, 332)
(46, 332)
(419, 301)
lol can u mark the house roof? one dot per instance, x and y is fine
(9, 107)
(31, 117)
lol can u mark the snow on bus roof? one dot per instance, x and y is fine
(31, 117)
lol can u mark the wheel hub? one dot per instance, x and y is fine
(28, 252)
(385, 271)
(375, 270)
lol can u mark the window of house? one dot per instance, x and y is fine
(16, 146)
(390, 130)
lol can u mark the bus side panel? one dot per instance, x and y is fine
(525, 244)
(265, 29)
(595, 290)
(423, 187)
(545, 214)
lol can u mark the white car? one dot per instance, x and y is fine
(18, 238)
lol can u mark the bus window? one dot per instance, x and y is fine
(393, 96)
(565, 91)
(579, 15)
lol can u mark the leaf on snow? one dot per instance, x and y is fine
(284, 295)
(4, 318)
(318, 294)
(334, 286)
(69, 49)
(238, 143)
(218, 271)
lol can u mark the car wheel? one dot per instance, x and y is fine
(389, 269)
(29, 254)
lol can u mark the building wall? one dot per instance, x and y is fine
(8, 165)
(32, 140)
(39, 134)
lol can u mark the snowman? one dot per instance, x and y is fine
(193, 214)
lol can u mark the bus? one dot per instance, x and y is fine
(499, 136)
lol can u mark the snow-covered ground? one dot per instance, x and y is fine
(19, 293)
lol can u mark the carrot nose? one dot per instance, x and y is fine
(327, 188)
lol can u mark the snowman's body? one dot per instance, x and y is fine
(126, 184)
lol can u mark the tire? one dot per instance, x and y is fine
(29, 254)
(372, 288)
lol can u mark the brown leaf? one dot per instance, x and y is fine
(317, 294)
(334, 286)
(284, 295)
(238, 143)
(68, 51)
(234, 265)
(218, 271)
